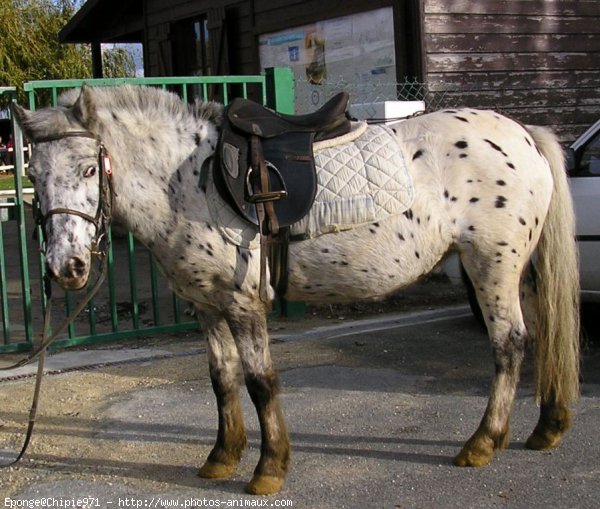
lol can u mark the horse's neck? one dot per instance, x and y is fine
(154, 181)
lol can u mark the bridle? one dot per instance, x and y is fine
(103, 216)
(99, 248)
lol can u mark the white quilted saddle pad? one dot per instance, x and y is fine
(360, 181)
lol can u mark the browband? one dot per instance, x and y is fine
(67, 134)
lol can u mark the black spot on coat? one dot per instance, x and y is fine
(495, 147)
(500, 202)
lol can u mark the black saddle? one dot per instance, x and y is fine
(265, 167)
(252, 118)
(252, 134)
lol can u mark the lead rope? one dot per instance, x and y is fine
(37, 388)
(40, 353)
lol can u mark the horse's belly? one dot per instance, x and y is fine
(335, 286)
(364, 263)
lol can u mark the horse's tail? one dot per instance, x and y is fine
(556, 342)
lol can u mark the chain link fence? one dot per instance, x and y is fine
(310, 97)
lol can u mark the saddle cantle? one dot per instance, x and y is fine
(265, 166)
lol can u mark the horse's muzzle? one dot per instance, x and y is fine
(72, 275)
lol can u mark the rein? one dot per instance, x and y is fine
(100, 245)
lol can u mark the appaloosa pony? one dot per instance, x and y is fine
(484, 185)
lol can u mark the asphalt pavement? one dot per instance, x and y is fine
(376, 410)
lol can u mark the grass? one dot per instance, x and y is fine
(7, 182)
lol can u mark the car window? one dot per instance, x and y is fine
(589, 162)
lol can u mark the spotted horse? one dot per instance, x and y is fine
(484, 185)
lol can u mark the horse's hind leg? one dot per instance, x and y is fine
(498, 295)
(249, 327)
(555, 417)
(223, 361)
(554, 421)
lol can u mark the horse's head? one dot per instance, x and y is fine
(65, 169)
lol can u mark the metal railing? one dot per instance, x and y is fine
(136, 301)
(18, 290)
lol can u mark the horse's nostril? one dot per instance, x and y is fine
(75, 268)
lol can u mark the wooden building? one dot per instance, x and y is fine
(537, 60)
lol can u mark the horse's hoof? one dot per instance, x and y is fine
(478, 455)
(470, 459)
(264, 485)
(541, 442)
(212, 470)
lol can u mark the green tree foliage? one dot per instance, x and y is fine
(30, 48)
(29, 45)
(117, 62)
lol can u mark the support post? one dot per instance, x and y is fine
(280, 89)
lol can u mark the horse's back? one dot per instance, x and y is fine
(481, 139)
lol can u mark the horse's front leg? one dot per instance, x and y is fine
(507, 333)
(223, 361)
(249, 327)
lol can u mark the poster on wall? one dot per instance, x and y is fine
(357, 50)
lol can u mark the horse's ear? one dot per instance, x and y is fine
(23, 117)
(84, 108)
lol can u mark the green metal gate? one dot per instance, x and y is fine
(15, 293)
(136, 301)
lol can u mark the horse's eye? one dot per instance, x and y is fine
(90, 172)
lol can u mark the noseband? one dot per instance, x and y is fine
(102, 219)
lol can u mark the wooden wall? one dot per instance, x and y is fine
(159, 17)
(245, 20)
(537, 60)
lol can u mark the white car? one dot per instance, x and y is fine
(584, 169)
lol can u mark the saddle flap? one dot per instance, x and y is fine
(290, 163)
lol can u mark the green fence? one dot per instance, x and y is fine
(15, 287)
(136, 301)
